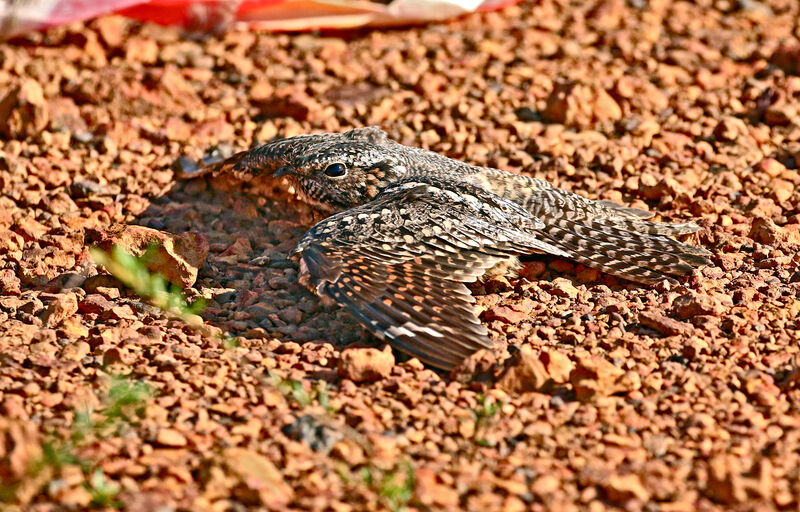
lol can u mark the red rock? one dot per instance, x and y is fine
(123, 311)
(141, 49)
(177, 258)
(94, 284)
(292, 103)
(239, 250)
(260, 92)
(666, 187)
(558, 365)
(693, 304)
(782, 113)
(9, 283)
(23, 111)
(30, 229)
(730, 128)
(117, 355)
(63, 307)
(764, 231)
(75, 351)
(45, 348)
(606, 14)
(170, 438)
(531, 270)
(787, 57)
(60, 203)
(562, 266)
(771, 167)
(21, 448)
(528, 373)
(663, 324)
(365, 364)
(781, 189)
(587, 275)
(725, 481)
(564, 288)
(349, 451)
(621, 489)
(178, 130)
(605, 107)
(73, 497)
(595, 377)
(580, 106)
(546, 485)
(95, 303)
(258, 481)
(477, 367)
(431, 493)
(761, 388)
(638, 90)
(112, 29)
(65, 116)
(10, 241)
(513, 314)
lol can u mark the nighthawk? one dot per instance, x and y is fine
(409, 227)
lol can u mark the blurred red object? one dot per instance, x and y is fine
(18, 16)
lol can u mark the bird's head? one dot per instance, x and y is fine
(336, 171)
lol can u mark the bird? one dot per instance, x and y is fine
(406, 229)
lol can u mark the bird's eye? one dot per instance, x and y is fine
(336, 170)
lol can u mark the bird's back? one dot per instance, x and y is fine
(607, 236)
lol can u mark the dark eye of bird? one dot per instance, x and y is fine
(336, 170)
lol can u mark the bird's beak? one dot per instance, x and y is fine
(283, 170)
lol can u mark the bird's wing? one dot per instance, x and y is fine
(624, 211)
(399, 264)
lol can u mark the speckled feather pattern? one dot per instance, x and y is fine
(410, 227)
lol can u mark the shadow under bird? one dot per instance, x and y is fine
(409, 227)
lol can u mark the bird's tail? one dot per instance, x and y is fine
(617, 239)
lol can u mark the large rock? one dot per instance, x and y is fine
(176, 257)
(366, 364)
(692, 304)
(511, 314)
(580, 106)
(63, 307)
(527, 374)
(9, 283)
(764, 231)
(23, 111)
(594, 377)
(171, 438)
(621, 489)
(250, 477)
(534, 371)
(20, 451)
(663, 324)
(10, 242)
(787, 57)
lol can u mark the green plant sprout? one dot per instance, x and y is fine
(394, 488)
(483, 414)
(133, 272)
(123, 402)
(103, 491)
(295, 392)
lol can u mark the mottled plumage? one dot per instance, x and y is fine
(409, 227)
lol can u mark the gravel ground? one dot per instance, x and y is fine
(602, 395)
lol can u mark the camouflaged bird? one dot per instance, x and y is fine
(408, 227)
